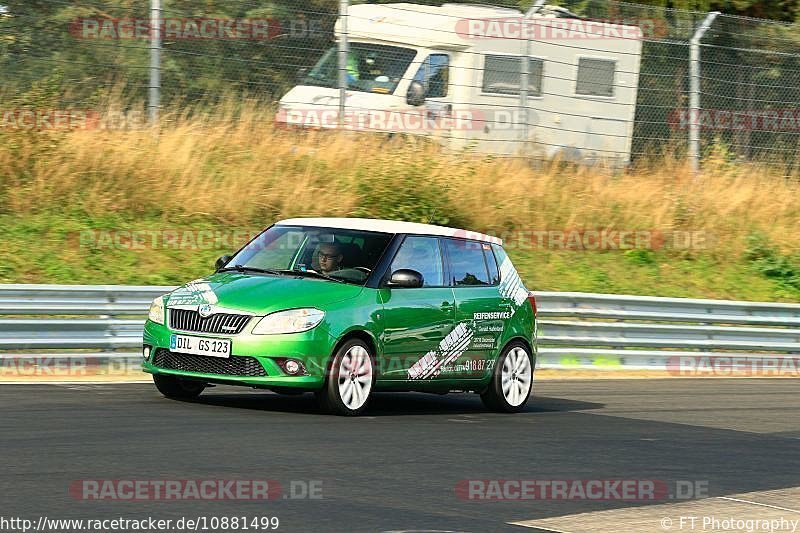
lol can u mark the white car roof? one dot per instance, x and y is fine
(389, 226)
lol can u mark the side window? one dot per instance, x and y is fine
(501, 256)
(595, 77)
(467, 262)
(491, 262)
(434, 74)
(423, 255)
(503, 75)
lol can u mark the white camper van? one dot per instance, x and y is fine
(457, 71)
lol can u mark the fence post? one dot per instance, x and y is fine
(694, 91)
(342, 57)
(524, 80)
(154, 97)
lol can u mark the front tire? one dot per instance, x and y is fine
(350, 380)
(512, 381)
(177, 388)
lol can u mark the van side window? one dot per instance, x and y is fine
(423, 255)
(595, 77)
(467, 262)
(434, 75)
(503, 75)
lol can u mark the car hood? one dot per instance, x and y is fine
(261, 294)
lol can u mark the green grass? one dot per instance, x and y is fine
(46, 248)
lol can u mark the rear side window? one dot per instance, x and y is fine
(491, 262)
(499, 253)
(467, 262)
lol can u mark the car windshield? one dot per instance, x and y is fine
(370, 68)
(340, 255)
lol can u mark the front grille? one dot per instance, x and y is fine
(231, 366)
(188, 320)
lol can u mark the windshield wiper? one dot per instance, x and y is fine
(244, 268)
(315, 274)
(278, 272)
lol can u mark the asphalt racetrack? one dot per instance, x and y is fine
(397, 468)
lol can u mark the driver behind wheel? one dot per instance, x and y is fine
(329, 257)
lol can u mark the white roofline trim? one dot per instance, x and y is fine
(390, 226)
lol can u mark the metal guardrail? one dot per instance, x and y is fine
(584, 330)
(576, 330)
(111, 300)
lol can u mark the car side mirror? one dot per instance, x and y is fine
(405, 278)
(416, 94)
(222, 261)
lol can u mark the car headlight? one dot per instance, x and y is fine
(156, 313)
(291, 321)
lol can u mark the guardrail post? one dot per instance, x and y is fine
(694, 91)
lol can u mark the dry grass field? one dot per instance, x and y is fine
(234, 169)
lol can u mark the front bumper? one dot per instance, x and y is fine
(313, 348)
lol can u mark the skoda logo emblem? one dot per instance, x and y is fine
(205, 310)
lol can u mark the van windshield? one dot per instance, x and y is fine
(341, 254)
(370, 68)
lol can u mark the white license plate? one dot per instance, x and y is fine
(200, 346)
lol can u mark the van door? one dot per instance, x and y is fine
(416, 320)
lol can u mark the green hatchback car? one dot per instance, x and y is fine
(344, 307)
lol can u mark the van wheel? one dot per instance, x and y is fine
(512, 380)
(176, 388)
(350, 380)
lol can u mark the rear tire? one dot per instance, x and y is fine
(177, 388)
(350, 380)
(512, 381)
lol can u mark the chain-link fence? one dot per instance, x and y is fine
(585, 81)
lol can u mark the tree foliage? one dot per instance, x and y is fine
(42, 45)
